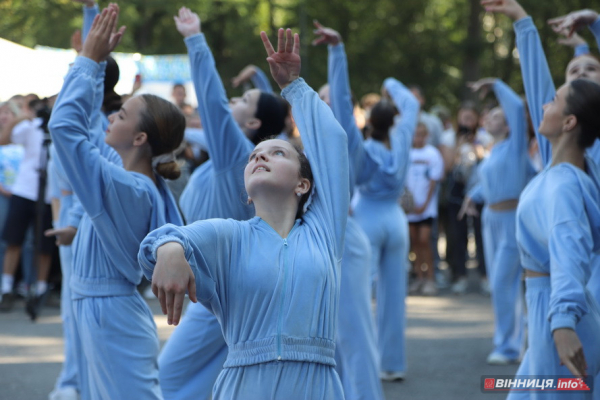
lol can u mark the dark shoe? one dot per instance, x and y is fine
(34, 304)
(7, 303)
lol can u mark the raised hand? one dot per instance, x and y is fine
(103, 36)
(482, 86)
(244, 75)
(285, 63)
(171, 278)
(510, 8)
(187, 22)
(570, 351)
(572, 41)
(326, 35)
(573, 21)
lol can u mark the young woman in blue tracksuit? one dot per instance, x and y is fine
(272, 281)
(502, 176)
(385, 223)
(558, 215)
(117, 330)
(215, 190)
(356, 344)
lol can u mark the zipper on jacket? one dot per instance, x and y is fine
(283, 288)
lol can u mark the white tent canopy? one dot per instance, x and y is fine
(41, 71)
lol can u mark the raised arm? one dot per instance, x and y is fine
(409, 107)
(70, 121)
(537, 80)
(227, 143)
(341, 102)
(321, 135)
(514, 112)
(254, 74)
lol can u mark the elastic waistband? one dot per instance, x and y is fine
(100, 287)
(317, 350)
(538, 282)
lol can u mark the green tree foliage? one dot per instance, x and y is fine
(437, 44)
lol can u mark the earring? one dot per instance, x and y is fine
(298, 194)
(249, 201)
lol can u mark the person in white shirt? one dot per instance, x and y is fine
(426, 168)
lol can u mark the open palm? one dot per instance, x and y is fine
(187, 22)
(285, 62)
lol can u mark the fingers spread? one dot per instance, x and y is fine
(267, 44)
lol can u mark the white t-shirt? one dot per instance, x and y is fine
(426, 164)
(30, 136)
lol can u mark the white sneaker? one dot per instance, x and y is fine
(429, 288)
(65, 393)
(499, 359)
(391, 376)
(460, 286)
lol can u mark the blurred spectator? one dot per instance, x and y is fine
(426, 168)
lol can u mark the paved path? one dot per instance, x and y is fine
(448, 339)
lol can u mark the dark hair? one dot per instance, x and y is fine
(305, 172)
(112, 101)
(583, 101)
(164, 124)
(382, 119)
(271, 113)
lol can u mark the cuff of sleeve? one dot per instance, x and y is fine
(338, 49)
(581, 50)
(162, 240)
(74, 221)
(561, 320)
(524, 24)
(195, 41)
(86, 65)
(595, 27)
(295, 90)
(389, 82)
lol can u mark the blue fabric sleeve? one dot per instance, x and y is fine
(361, 165)
(89, 13)
(75, 212)
(581, 50)
(97, 120)
(539, 87)
(83, 163)
(260, 81)
(321, 135)
(595, 28)
(514, 112)
(53, 188)
(196, 137)
(570, 245)
(227, 144)
(409, 108)
(207, 248)
(476, 194)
